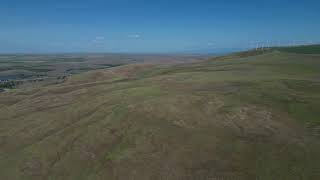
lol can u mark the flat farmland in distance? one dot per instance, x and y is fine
(53, 67)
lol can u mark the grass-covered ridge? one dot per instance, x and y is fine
(244, 116)
(305, 49)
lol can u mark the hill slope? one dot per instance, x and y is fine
(310, 49)
(232, 117)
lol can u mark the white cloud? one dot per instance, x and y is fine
(210, 44)
(99, 38)
(97, 41)
(136, 36)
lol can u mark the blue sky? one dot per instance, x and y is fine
(154, 25)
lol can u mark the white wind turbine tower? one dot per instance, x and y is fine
(260, 46)
(263, 46)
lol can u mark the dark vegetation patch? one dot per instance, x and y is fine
(310, 49)
(7, 85)
(110, 65)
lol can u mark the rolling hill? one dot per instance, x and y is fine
(250, 115)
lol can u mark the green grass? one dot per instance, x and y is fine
(248, 116)
(311, 49)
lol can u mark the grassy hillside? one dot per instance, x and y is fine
(253, 116)
(311, 49)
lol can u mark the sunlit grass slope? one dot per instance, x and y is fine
(243, 116)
